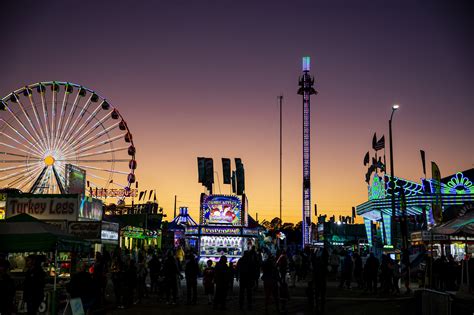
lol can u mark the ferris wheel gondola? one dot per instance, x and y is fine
(48, 125)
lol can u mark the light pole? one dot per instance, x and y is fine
(392, 174)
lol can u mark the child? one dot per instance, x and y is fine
(208, 281)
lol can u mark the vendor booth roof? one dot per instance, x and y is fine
(24, 233)
(463, 225)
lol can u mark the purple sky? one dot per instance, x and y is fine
(201, 78)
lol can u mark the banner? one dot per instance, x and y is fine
(437, 204)
(57, 207)
(86, 230)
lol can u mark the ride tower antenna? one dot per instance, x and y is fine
(306, 89)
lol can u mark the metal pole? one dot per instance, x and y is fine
(175, 199)
(392, 181)
(281, 105)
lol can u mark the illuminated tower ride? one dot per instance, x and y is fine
(306, 89)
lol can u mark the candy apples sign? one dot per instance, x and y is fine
(219, 209)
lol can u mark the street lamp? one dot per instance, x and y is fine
(392, 174)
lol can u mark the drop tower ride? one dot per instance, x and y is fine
(306, 89)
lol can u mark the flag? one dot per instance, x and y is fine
(366, 158)
(353, 213)
(437, 204)
(423, 161)
(149, 196)
(374, 141)
(140, 196)
(154, 197)
(379, 145)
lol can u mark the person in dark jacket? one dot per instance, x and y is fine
(191, 271)
(270, 278)
(33, 292)
(171, 273)
(371, 269)
(81, 286)
(358, 270)
(7, 290)
(320, 272)
(130, 283)
(246, 276)
(346, 272)
(222, 276)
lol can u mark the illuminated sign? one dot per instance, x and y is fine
(459, 184)
(220, 230)
(110, 231)
(136, 232)
(191, 230)
(90, 209)
(85, 230)
(113, 193)
(75, 180)
(250, 232)
(220, 209)
(58, 207)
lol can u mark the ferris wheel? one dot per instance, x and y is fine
(47, 127)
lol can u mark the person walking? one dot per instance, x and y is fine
(282, 264)
(81, 286)
(246, 277)
(270, 278)
(154, 265)
(346, 272)
(358, 270)
(117, 270)
(371, 271)
(33, 291)
(130, 283)
(191, 271)
(222, 279)
(171, 273)
(142, 272)
(7, 289)
(320, 273)
(208, 281)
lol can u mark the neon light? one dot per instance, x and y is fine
(368, 230)
(386, 225)
(306, 63)
(376, 190)
(458, 185)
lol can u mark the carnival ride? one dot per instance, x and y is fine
(48, 125)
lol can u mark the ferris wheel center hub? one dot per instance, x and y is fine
(49, 160)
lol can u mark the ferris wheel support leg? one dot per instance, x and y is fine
(58, 181)
(38, 180)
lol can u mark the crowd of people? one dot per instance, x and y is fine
(159, 275)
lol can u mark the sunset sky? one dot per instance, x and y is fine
(201, 78)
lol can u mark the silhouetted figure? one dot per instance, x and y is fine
(99, 278)
(246, 276)
(208, 281)
(33, 293)
(81, 286)
(334, 261)
(222, 279)
(282, 264)
(118, 269)
(155, 266)
(346, 272)
(270, 277)
(370, 271)
(7, 290)
(191, 271)
(320, 274)
(358, 270)
(130, 283)
(171, 273)
(142, 272)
